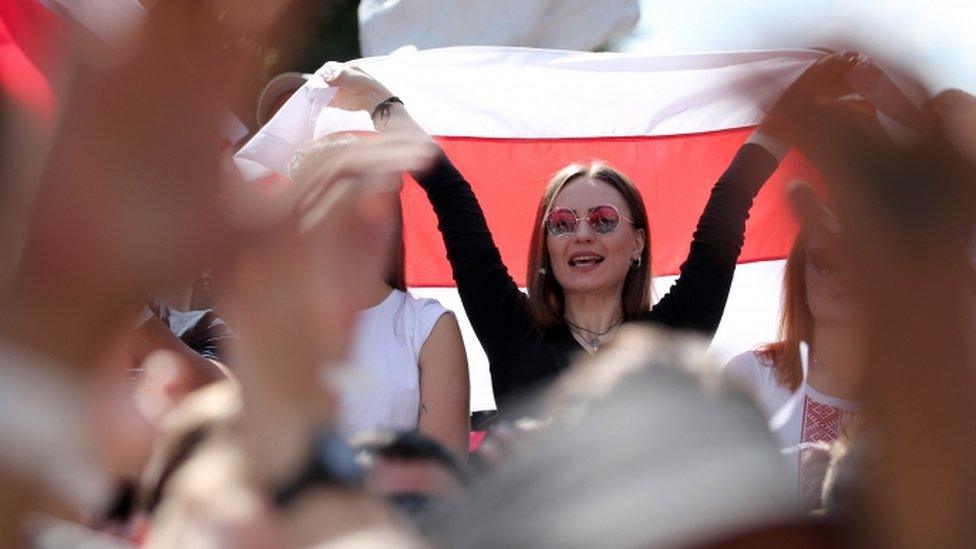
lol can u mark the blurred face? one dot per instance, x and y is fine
(830, 292)
(587, 261)
(387, 223)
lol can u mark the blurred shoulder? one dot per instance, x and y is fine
(750, 368)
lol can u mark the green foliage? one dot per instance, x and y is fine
(335, 36)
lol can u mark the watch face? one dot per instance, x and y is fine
(337, 460)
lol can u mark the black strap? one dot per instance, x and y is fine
(383, 109)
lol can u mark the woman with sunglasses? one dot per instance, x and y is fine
(589, 264)
(820, 309)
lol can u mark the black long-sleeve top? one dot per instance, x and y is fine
(521, 356)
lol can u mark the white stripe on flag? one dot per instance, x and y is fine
(496, 92)
(530, 93)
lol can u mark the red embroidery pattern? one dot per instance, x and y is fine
(821, 422)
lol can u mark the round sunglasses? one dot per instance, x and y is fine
(603, 219)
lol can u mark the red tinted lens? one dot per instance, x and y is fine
(561, 222)
(604, 219)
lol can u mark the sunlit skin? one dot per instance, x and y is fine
(837, 346)
(593, 287)
(829, 295)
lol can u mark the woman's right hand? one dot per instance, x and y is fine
(358, 91)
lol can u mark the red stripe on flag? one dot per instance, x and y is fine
(39, 33)
(674, 173)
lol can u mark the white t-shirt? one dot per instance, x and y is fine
(380, 387)
(813, 416)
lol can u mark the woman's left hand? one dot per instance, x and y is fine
(826, 78)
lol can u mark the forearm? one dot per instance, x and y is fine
(398, 120)
(769, 137)
(460, 219)
(721, 226)
(697, 300)
(491, 298)
(280, 412)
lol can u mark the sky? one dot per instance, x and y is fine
(937, 37)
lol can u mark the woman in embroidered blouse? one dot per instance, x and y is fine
(819, 308)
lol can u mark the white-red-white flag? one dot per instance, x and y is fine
(510, 117)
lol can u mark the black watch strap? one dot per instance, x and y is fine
(332, 462)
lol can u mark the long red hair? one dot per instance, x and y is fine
(796, 320)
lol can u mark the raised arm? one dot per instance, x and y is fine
(697, 300)
(497, 309)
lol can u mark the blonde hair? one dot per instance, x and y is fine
(321, 150)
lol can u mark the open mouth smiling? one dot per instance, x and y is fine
(584, 260)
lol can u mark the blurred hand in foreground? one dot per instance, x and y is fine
(126, 201)
(907, 211)
(294, 293)
(825, 80)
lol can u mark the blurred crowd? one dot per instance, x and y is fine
(190, 359)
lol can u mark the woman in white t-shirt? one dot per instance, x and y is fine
(407, 367)
(820, 309)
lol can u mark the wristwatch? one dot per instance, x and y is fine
(332, 462)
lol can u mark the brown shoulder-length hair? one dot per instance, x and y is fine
(319, 151)
(796, 321)
(546, 301)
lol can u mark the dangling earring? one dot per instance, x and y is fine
(636, 262)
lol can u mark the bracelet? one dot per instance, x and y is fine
(383, 109)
